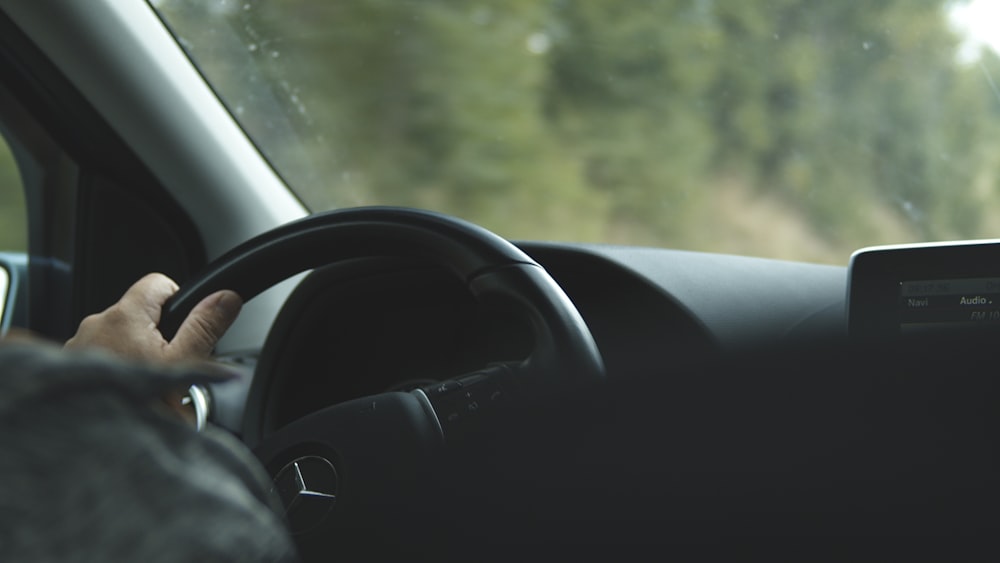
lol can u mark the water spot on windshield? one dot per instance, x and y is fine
(222, 7)
(866, 45)
(912, 212)
(538, 43)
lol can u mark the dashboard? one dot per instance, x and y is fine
(366, 326)
(735, 389)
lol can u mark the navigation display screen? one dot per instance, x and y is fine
(960, 303)
(904, 289)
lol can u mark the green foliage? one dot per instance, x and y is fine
(792, 128)
(13, 216)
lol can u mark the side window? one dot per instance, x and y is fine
(13, 242)
(13, 212)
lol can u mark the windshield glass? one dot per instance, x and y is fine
(797, 129)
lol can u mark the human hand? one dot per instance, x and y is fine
(129, 330)
(129, 327)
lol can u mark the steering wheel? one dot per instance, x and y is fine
(345, 458)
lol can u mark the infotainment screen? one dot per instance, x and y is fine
(962, 302)
(904, 289)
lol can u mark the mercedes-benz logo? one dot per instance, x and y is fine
(307, 487)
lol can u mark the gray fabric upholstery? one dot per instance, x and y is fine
(94, 468)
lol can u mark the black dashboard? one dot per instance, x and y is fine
(370, 325)
(737, 302)
(737, 406)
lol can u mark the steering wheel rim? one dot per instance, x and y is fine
(565, 353)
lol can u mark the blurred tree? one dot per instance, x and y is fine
(640, 121)
(624, 94)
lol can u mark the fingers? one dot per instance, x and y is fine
(128, 328)
(205, 325)
(148, 296)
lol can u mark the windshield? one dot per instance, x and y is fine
(796, 129)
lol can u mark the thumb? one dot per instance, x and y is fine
(205, 325)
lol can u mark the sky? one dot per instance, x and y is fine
(980, 21)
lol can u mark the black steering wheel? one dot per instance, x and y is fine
(346, 457)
